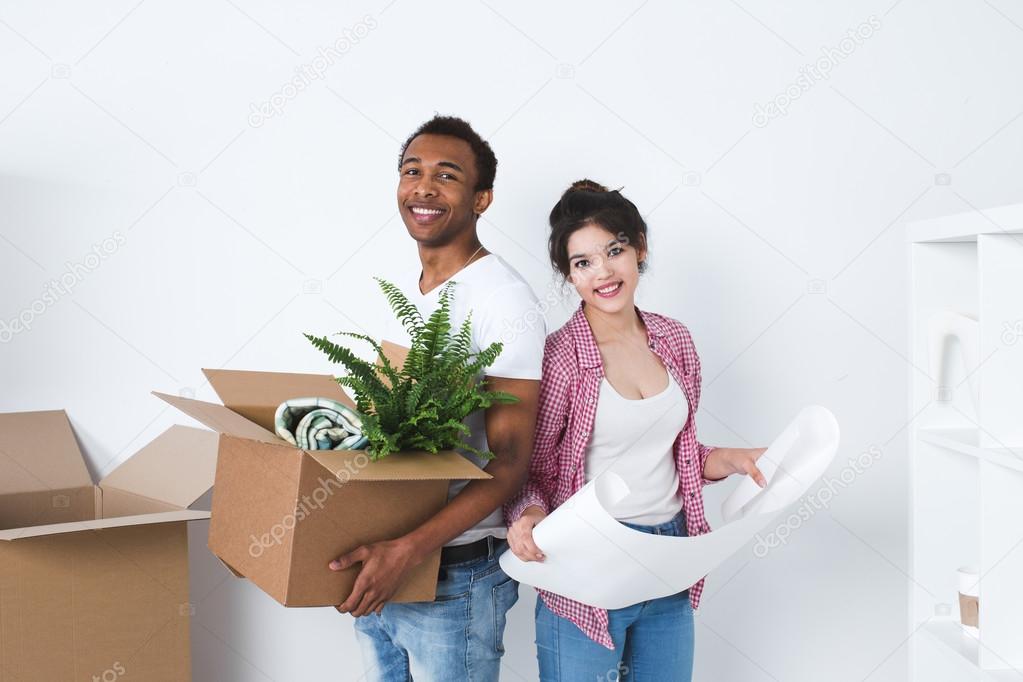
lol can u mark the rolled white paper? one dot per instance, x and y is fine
(594, 559)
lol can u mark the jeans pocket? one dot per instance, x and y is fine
(505, 595)
(453, 583)
(441, 598)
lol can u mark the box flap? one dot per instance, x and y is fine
(97, 524)
(38, 451)
(176, 467)
(257, 395)
(228, 566)
(41, 507)
(220, 419)
(355, 465)
(395, 353)
(115, 502)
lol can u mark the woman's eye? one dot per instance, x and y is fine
(581, 263)
(615, 250)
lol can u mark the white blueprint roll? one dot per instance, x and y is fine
(594, 559)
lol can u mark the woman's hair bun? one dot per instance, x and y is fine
(587, 185)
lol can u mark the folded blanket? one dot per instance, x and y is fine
(319, 424)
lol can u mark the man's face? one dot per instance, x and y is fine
(436, 195)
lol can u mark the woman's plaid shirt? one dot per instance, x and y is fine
(572, 372)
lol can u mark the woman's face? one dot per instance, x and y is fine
(604, 268)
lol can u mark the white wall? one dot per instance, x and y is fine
(780, 245)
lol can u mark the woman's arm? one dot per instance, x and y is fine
(722, 462)
(533, 502)
(551, 422)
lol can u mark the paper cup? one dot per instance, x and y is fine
(969, 599)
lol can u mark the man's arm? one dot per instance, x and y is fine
(510, 437)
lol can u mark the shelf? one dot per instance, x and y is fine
(964, 227)
(966, 482)
(965, 441)
(949, 633)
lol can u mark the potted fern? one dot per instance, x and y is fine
(422, 405)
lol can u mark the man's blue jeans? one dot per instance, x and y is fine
(653, 639)
(458, 637)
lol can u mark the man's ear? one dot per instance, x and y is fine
(483, 199)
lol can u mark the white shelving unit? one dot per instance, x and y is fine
(966, 444)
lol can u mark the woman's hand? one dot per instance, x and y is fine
(520, 535)
(722, 462)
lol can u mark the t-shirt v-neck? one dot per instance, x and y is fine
(435, 292)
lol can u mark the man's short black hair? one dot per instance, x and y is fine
(452, 126)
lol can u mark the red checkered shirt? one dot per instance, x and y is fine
(569, 389)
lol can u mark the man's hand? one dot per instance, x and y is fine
(510, 437)
(520, 535)
(724, 461)
(384, 565)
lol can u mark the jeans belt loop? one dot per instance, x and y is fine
(490, 548)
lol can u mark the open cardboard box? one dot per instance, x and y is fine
(94, 578)
(281, 514)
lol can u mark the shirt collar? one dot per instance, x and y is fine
(586, 345)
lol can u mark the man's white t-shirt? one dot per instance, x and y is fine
(504, 308)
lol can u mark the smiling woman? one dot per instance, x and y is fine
(619, 392)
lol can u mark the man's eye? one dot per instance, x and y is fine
(412, 171)
(447, 176)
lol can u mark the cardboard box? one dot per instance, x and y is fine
(281, 514)
(94, 578)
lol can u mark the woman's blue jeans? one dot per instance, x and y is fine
(653, 639)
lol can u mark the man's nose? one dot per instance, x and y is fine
(425, 188)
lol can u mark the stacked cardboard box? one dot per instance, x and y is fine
(94, 578)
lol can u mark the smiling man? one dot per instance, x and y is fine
(446, 183)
